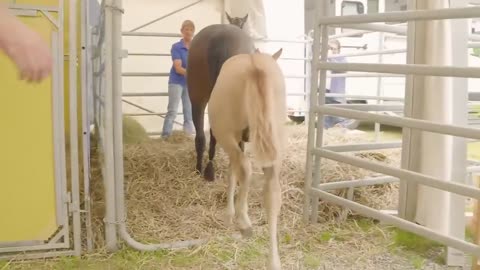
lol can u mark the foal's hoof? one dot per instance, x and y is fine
(227, 220)
(209, 173)
(275, 265)
(247, 232)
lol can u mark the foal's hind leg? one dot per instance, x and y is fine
(241, 172)
(232, 184)
(209, 173)
(198, 115)
(273, 202)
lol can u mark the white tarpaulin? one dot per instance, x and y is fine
(434, 99)
(438, 155)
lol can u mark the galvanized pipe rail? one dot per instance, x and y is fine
(316, 149)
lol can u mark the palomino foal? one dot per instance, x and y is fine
(249, 97)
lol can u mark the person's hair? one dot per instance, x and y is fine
(187, 23)
(336, 42)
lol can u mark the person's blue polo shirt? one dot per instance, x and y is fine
(178, 51)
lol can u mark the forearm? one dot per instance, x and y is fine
(6, 20)
(181, 71)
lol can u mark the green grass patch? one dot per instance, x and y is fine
(469, 235)
(312, 261)
(418, 262)
(365, 224)
(417, 248)
(476, 52)
(413, 242)
(124, 259)
(251, 252)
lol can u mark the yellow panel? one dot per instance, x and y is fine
(27, 193)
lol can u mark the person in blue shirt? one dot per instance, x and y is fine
(177, 86)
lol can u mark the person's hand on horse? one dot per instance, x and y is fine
(24, 47)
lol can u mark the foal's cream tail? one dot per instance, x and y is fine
(260, 112)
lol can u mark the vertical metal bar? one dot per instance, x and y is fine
(312, 116)
(223, 9)
(72, 45)
(84, 6)
(407, 192)
(117, 118)
(308, 76)
(381, 40)
(320, 120)
(61, 99)
(58, 137)
(110, 216)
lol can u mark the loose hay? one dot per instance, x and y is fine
(167, 201)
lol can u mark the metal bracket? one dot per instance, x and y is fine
(24, 13)
(32, 11)
(50, 18)
(115, 8)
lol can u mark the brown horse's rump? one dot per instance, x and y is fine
(209, 49)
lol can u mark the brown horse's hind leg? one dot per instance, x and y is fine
(209, 173)
(246, 135)
(198, 115)
(245, 138)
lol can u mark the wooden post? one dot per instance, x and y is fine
(475, 223)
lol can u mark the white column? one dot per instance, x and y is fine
(432, 98)
(433, 101)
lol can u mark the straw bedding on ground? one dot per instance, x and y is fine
(167, 201)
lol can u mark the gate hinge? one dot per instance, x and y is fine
(72, 208)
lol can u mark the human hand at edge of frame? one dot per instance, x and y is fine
(25, 48)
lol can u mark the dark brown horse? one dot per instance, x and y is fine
(209, 49)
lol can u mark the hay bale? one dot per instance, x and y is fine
(167, 201)
(133, 131)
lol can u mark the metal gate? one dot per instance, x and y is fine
(314, 189)
(53, 226)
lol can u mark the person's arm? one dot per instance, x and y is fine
(177, 61)
(24, 47)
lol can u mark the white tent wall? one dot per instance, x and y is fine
(443, 100)
(266, 19)
(285, 20)
(139, 12)
(256, 24)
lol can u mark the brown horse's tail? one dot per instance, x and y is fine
(261, 118)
